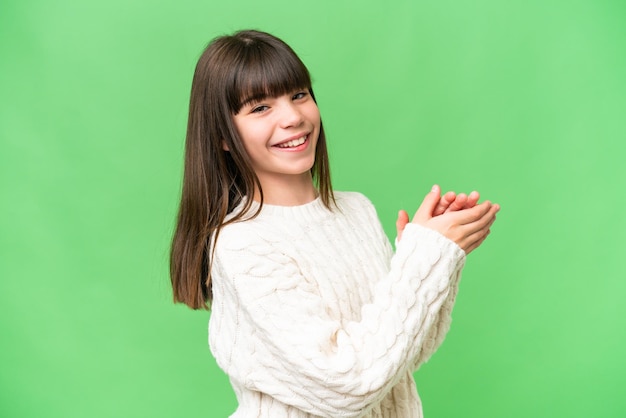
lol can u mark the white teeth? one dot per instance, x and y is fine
(293, 142)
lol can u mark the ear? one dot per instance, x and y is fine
(224, 146)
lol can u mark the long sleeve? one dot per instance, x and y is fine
(440, 326)
(279, 328)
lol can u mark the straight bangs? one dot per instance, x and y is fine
(262, 71)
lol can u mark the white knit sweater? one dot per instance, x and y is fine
(313, 315)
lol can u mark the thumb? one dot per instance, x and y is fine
(425, 211)
(403, 219)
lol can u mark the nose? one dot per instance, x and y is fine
(290, 115)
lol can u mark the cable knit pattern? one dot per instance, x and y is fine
(313, 314)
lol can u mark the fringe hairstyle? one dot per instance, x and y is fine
(232, 70)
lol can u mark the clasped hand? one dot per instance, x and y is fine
(458, 217)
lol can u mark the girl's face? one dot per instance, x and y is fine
(280, 135)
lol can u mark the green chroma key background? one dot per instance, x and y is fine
(524, 101)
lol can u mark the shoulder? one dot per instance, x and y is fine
(247, 235)
(353, 200)
(356, 204)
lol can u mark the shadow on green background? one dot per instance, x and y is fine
(523, 101)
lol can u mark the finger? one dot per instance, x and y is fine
(484, 222)
(472, 199)
(403, 219)
(484, 233)
(444, 203)
(468, 216)
(472, 236)
(426, 209)
(471, 233)
(477, 243)
(459, 203)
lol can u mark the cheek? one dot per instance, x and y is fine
(249, 134)
(314, 116)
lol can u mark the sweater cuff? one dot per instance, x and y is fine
(422, 233)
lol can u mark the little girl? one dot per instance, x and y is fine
(312, 312)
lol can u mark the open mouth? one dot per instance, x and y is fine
(294, 143)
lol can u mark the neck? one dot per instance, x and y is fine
(287, 191)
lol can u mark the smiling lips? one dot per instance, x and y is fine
(294, 143)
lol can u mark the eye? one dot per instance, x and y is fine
(300, 95)
(259, 109)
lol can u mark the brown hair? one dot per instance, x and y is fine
(245, 66)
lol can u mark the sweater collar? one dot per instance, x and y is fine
(308, 211)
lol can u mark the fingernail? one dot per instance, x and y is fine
(434, 189)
